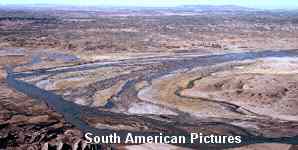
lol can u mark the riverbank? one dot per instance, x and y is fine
(116, 119)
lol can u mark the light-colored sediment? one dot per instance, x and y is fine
(145, 108)
(71, 80)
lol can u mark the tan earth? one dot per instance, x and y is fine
(266, 87)
(152, 87)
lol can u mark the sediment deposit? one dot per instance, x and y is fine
(230, 94)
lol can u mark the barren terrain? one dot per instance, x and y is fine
(66, 72)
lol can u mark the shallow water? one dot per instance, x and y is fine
(73, 112)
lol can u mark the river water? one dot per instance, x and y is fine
(73, 112)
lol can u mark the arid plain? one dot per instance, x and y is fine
(217, 70)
